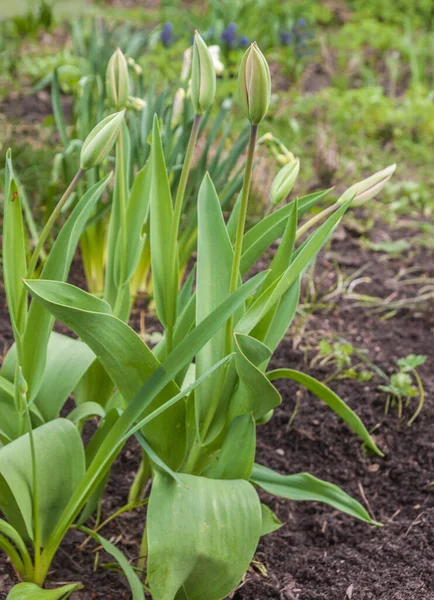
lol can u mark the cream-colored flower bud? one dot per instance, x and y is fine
(100, 140)
(117, 80)
(254, 84)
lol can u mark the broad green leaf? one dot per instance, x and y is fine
(14, 250)
(332, 400)
(134, 582)
(201, 536)
(214, 265)
(40, 322)
(236, 457)
(57, 444)
(304, 486)
(126, 358)
(164, 270)
(254, 394)
(301, 261)
(30, 591)
(66, 362)
(270, 522)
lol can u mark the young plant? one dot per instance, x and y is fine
(340, 354)
(400, 389)
(195, 400)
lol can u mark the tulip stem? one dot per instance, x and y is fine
(179, 201)
(240, 227)
(180, 193)
(51, 220)
(316, 218)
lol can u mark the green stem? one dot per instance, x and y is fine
(50, 222)
(421, 396)
(180, 193)
(240, 227)
(179, 201)
(315, 219)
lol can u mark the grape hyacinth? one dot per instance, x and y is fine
(298, 36)
(167, 34)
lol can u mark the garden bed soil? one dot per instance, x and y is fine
(319, 554)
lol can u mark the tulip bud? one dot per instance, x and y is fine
(117, 80)
(284, 181)
(254, 84)
(368, 188)
(203, 77)
(186, 64)
(177, 108)
(137, 104)
(100, 140)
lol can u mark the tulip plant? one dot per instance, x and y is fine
(195, 400)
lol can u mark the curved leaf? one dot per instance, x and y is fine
(30, 591)
(332, 400)
(305, 486)
(133, 579)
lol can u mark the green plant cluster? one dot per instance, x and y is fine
(194, 401)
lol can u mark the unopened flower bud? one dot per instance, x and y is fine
(254, 84)
(215, 55)
(100, 140)
(177, 107)
(203, 77)
(284, 181)
(186, 64)
(117, 80)
(137, 104)
(368, 188)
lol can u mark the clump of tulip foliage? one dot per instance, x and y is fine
(195, 400)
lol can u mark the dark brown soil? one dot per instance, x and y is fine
(320, 554)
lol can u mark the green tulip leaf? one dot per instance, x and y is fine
(201, 536)
(57, 444)
(332, 400)
(30, 591)
(305, 486)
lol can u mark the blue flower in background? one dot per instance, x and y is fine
(285, 38)
(229, 35)
(243, 41)
(301, 24)
(167, 34)
(297, 37)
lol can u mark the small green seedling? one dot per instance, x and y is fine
(401, 389)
